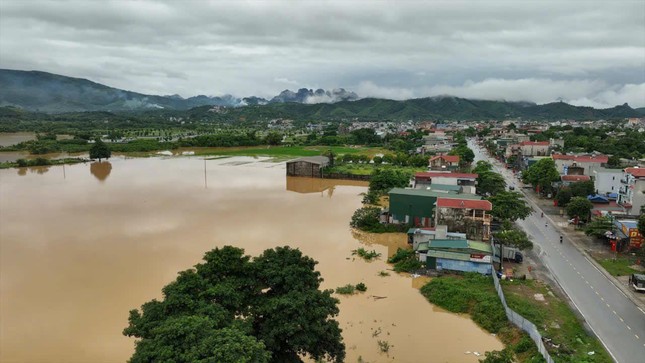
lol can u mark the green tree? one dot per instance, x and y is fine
(100, 150)
(564, 196)
(482, 166)
(583, 188)
(331, 155)
(233, 309)
(273, 138)
(514, 237)
(383, 180)
(579, 207)
(598, 227)
(641, 224)
(490, 183)
(366, 218)
(542, 174)
(509, 206)
(378, 160)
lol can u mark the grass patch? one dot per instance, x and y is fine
(619, 266)
(365, 254)
(284, 151)
(555, 320)
(383, 273)
(475, 294)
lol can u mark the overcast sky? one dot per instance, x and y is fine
(583, 52)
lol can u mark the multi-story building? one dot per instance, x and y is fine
(468, 216)
(631, 194)
(466, 180)
(607, 181)
(443, 162)
(589, 163)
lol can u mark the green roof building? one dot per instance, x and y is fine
(416, 206)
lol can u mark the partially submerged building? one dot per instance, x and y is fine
(456, 255)
(416, 206)
(472, 217)
(310, 166)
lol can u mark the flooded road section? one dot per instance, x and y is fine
(81, 246)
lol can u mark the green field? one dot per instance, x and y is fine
(619, 266)
(286, 151)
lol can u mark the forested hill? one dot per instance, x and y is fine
(440, 108)
(51, 93)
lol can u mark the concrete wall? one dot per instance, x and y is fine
(607, 181)
(303, 168)
(465, 266)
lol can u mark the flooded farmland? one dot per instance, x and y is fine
(81, 245)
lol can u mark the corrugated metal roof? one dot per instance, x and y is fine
(444, 187)
(480, 246)
(448, 243)
(449, 255)
(463, 203)
(429, 174)
(312, 159)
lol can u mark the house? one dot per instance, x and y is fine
(607, 181)
(420, 235)
(589, 163)
(416, 206)
(534, 148)
(443, 162)
(308, 166)
(466, 180)
(456, 255)
(465, 216)
(627, 231)
(631, 194)
(567, 180)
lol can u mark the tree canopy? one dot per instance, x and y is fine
(579, 207)
(641, 224)
(514, 237)
(490, 183)
(583, 188)
(598, 227)
(542, 174)
(100, 150)
(509, 206)
(232, 308)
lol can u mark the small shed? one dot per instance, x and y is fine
(310, 166)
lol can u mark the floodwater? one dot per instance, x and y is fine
(81, 245)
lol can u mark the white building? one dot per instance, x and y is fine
(632, 190)
(589, 163)
(607, 180)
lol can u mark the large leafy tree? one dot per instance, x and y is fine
(542, 174)
(579, 207)
(514, 237)
(641, 224)
(583, 188)
(482, 166)
(598, 227)
(100, 150)
(564, 196)
(383, 180)
(509, 206)
(490, 183)
(233, 309)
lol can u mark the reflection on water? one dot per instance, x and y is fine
(33, 169)
(67, 283)
(318, 185)
(101, 170)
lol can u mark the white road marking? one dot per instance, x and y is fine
(621, 319)
(607, 305)
(636, 335)
(613, 311)
(628, 327)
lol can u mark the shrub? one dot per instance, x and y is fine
(361, 287)
(366, 255)
(524, 344)
(348, 289)
(405, 260)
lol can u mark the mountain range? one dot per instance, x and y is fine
(52, 93)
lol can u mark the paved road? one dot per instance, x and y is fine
(615, 319)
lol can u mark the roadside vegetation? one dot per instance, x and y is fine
(619, 265)
(475, 295)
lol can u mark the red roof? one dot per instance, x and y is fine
(447, 158)
(582, 158)
(535, 143)
(636, 172)
(575, 178)
(464, 204)
(445, 175)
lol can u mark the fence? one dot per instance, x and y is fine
(521, 322)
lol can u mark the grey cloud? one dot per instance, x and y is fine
(242, 48)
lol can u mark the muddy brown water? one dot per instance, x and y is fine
(81, 246)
